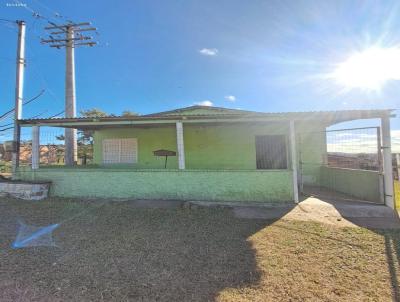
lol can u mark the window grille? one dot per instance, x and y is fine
(120, 151)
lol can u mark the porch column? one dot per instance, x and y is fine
(180, 145)
(387, 162)
(35, 147)
(292, 139)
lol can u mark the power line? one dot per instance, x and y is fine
(35, 97)
(6, 114)
(7, 20)
(9, 124)
(2, 130)
(32, 117)
(73, 36)
(57, 114)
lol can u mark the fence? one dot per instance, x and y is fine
(350, 166)
(52, 148)
(357, 148)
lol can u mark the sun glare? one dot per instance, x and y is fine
(370, 69)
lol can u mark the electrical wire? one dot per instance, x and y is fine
(7, 20)
(2, 130)
(6, 125)
(6, 114)
(38, 16)
(57, 114)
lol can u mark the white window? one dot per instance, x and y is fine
(120, 151)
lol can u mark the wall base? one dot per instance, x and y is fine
(258, 186)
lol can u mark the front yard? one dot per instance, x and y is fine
(117, 252)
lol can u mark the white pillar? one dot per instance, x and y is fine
(387, 161)
(293, 157)
(398, 165)
(35, 147)
(180, 145)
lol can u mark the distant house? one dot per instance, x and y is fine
(221, 154)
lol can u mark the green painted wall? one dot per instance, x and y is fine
(218, 146)
(225, 146)
(362, 184)
(149, 140)
(259, 186)
(311, 146)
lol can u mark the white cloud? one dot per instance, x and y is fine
(230, 98)
(395, 141)
(208, 51)
(205, 103)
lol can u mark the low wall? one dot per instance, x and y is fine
(24, 190)
(361, 184)
(261, 186)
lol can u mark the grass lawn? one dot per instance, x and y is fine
(115, 252)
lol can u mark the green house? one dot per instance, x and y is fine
(207, 153)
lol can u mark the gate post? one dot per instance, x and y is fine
(294, 160)
(387, 161)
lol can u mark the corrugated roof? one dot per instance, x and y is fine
(203, 110)
(205, 113)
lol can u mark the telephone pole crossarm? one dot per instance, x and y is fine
(68, 36)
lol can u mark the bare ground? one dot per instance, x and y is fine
(118, 252)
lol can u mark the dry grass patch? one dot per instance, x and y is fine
(305, 261)
(116, 252)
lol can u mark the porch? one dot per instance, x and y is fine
(236, 157)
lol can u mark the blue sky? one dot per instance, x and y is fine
(160, 55)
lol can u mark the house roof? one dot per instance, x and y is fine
(202, 110)
(205, 114)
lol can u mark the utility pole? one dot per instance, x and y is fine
(19, 87)
(72, 38)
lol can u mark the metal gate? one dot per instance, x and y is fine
(342, 164)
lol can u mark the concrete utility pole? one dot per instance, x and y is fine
(19, 85)
(71, 39)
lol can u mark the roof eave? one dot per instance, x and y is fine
(326, 117)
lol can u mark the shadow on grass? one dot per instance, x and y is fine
(392, 245)
(125, 253)
(387, 226)
(380, 219)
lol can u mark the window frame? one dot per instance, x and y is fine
(287, 155)
(119, 140)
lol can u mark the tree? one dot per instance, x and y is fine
(85, 137)
(128, 113)
(94, 112)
